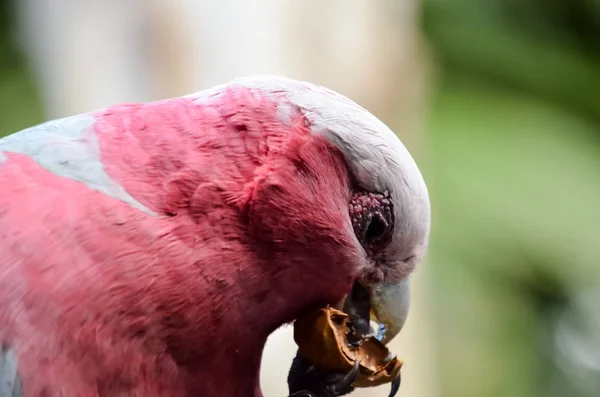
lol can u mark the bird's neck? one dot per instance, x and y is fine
(228, 373)
(219, 345)
(217, 318)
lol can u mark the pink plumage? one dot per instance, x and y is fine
(150, 249)
(100, 297)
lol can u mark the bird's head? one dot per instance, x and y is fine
(341, 207)
(386, 202)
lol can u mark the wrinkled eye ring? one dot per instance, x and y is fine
(372, 217)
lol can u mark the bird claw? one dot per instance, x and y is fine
(302, 393)
(346, 382)
(395, 386)
(344, 385)
(305, 380)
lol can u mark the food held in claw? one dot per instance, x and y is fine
(322, 338)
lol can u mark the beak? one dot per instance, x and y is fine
(385, 303)
(390, 304)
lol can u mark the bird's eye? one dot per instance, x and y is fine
(372, 218)
(375, 229)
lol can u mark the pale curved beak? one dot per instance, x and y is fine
(390, 303)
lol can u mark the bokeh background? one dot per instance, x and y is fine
(498, 100)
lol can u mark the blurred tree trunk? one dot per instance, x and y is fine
(93, 54)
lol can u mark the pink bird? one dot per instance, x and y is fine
(150, 249)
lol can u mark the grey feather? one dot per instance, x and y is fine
(68, 147)
(10, 383)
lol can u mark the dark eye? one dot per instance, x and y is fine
(372, 218)
(375, 229)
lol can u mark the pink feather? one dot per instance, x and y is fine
(250, 228)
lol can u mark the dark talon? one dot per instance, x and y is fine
(302, 393)
(347, 380)
(395, 386)
(304, 380)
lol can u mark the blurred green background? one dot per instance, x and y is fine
(20, 105)
(513, 125)
(516, 152)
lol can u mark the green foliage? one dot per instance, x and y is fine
(515, 133)
(522, 44)
(19, 103)
(514, 234)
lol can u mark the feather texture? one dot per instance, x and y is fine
(150, 249)
(10, 384)
(246, 227)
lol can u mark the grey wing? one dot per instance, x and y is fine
(10, 383)
(69, 148)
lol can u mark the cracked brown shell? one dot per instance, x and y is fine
(321, 337)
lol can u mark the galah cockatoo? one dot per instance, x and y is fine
(150, 249)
